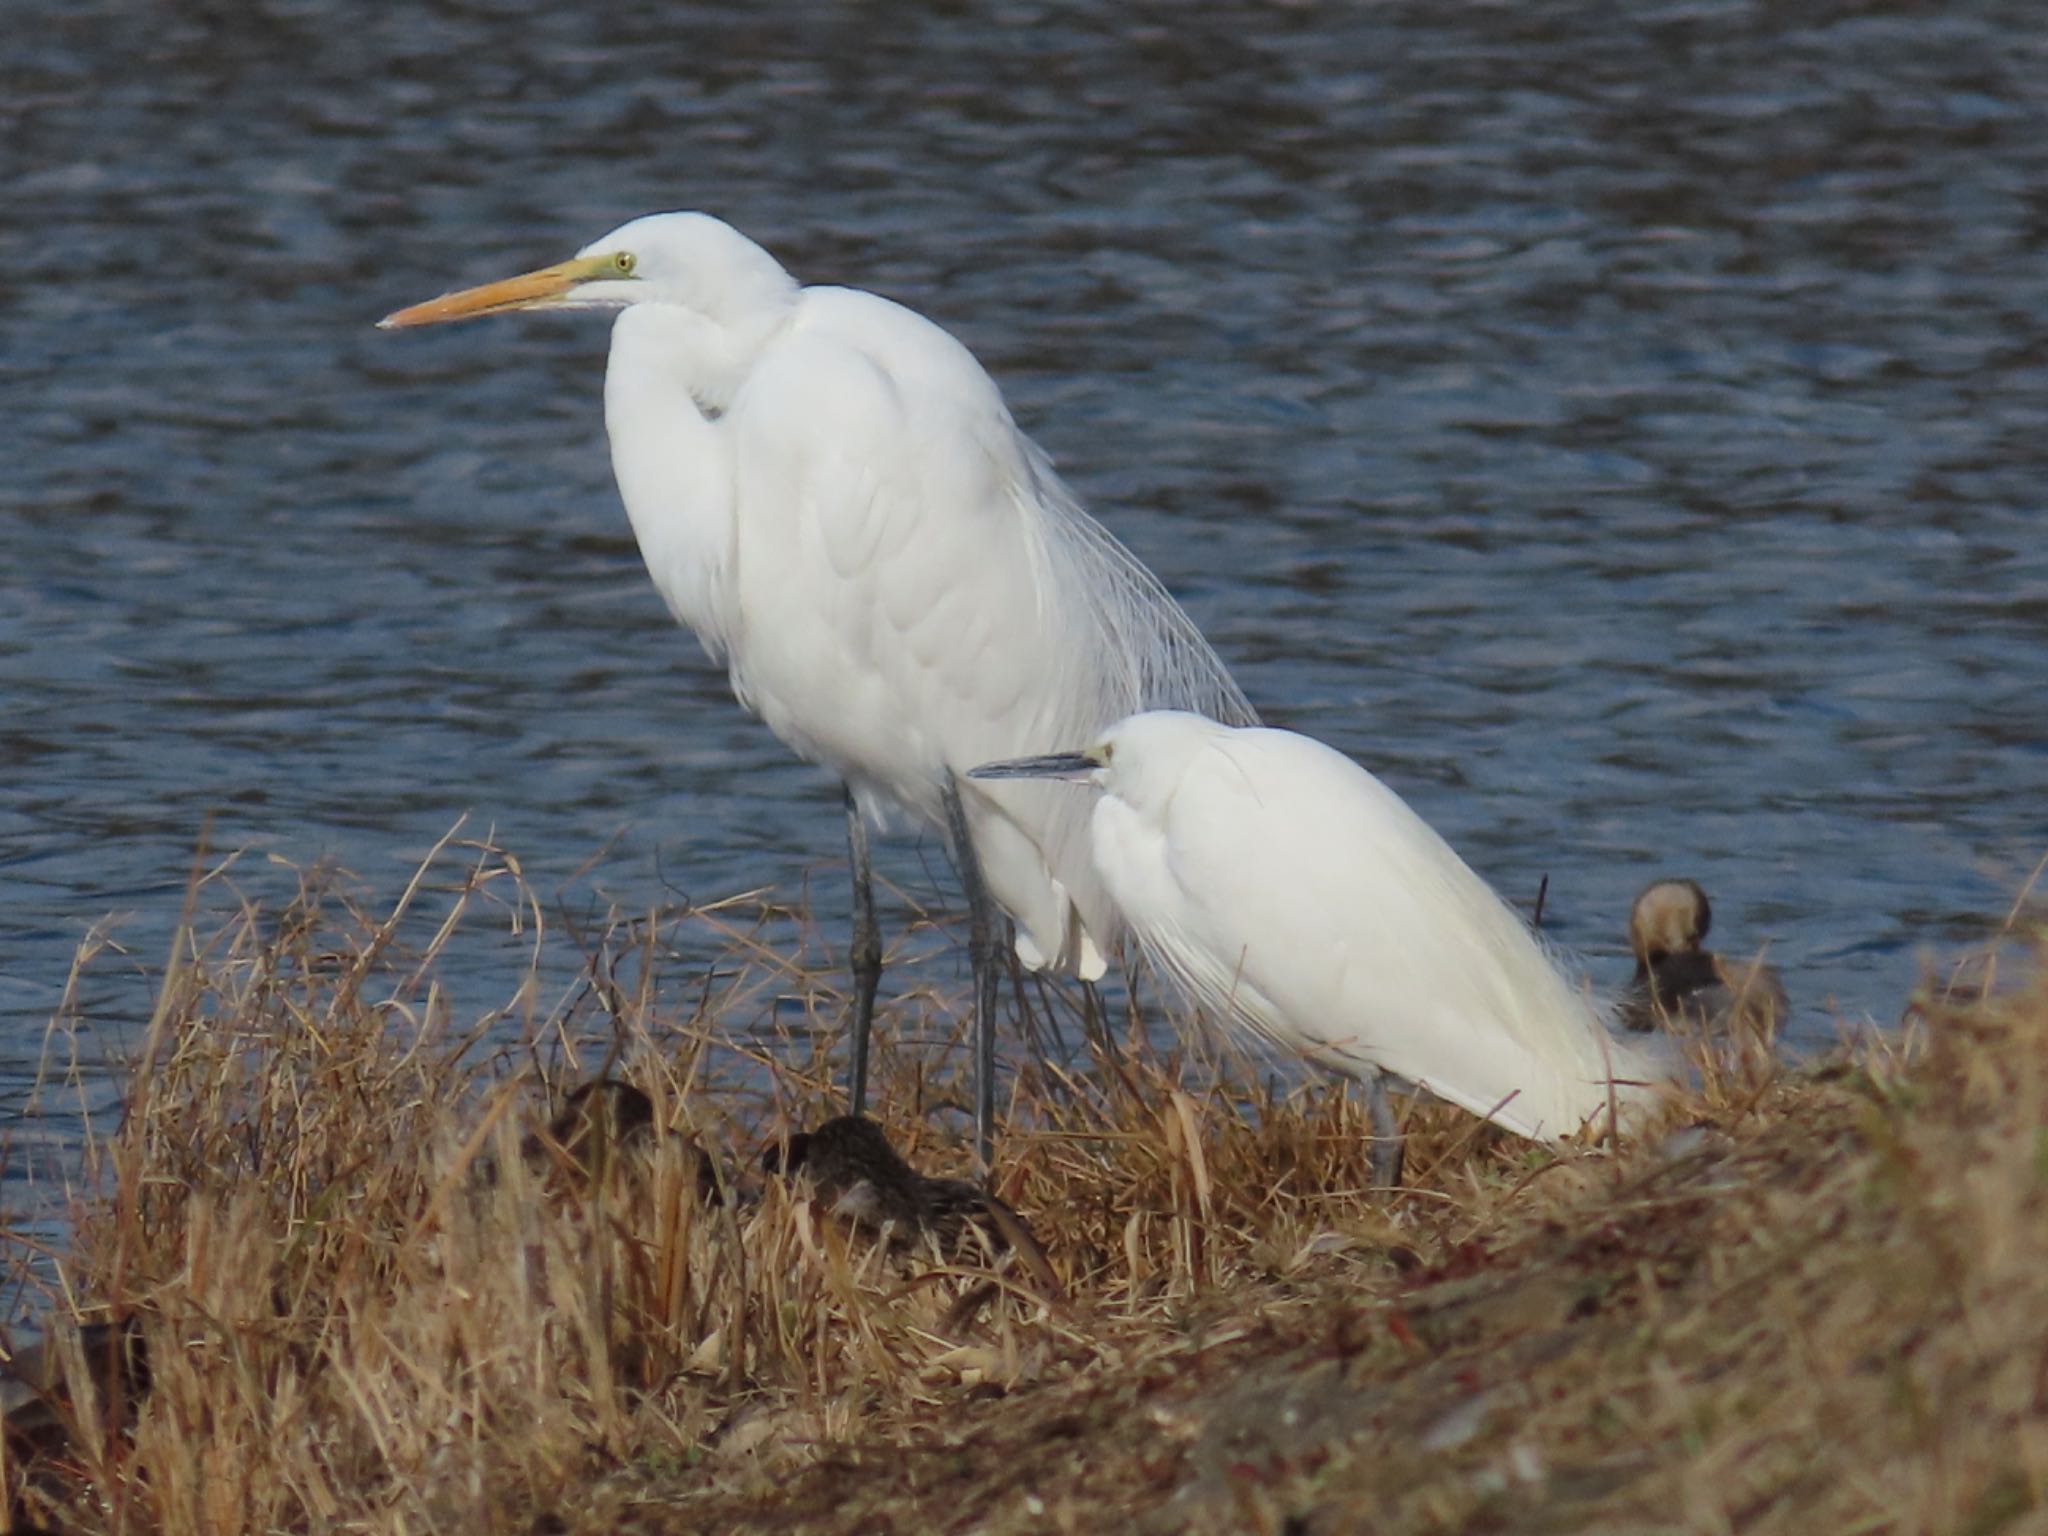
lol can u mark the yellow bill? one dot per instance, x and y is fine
(526, 291)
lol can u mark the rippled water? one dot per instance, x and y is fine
(1621, 427)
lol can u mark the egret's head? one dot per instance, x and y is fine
(687, 259)
(1139, 759)
(1670, 917)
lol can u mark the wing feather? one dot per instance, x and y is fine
(1306, 900)
(919, 593)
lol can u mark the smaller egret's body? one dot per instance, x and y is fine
(1680, 982)
(1285, 888)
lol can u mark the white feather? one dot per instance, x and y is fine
(1286, 889)
(829, 490)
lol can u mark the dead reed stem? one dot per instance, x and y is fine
(369, 1304)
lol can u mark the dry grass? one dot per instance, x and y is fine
(1817, 1306)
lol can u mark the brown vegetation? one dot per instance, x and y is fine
(374, 1294)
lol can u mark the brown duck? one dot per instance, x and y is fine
(1680, 982)
(858, 1177)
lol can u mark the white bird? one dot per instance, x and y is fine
(1284, 888)
(829, 491)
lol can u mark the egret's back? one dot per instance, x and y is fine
(907, 590)
(1285, 886)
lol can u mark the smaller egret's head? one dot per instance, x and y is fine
(687, 259)
(1141, 759)
(1670, 917)
(1086, 767)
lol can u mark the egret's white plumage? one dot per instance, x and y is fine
(1287, 889)
(830, 492)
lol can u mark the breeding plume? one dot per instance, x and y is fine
(1286, 889)
(1680, 982)
(829, 491)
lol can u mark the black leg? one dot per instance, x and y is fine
(866, 954)
(983, 935)
(1387, 1147)
(1094, 1026)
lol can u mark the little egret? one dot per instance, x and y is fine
(1679, 980)
(1284, 888)
(828, 489)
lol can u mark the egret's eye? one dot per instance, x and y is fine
(1108, 751)
(624, 262)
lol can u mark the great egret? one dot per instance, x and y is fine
(828, 489)
(1679, 980)
(1284, 888)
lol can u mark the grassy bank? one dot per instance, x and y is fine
(371, 1296)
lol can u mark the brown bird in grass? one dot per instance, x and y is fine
(602, 1113)
(857, 1176)
(36, 1399)
(599, 1120)
(1679, 981)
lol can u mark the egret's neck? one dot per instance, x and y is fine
(672, 463)
(708, 359)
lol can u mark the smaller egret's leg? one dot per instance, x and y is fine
(1387, 1147)
(1107, 1056)
(865, 956)
(983, 936)
(1094, 1025)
